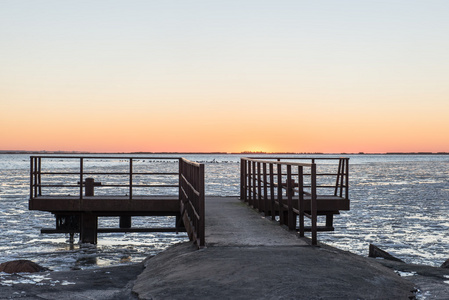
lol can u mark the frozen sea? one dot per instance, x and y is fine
(398, 202)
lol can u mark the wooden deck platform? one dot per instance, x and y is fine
(108, 205)
(75, 215)
(326, 203)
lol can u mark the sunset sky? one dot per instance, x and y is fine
(200, 76)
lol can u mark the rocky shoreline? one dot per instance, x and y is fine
(430, 282)
(114, 283)
(130, 282)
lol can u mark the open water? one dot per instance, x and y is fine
(398, 202)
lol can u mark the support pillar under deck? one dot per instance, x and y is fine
(125, 222)
(89, 228)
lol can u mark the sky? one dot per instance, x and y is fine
(298, 76)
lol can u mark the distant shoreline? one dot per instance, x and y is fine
(220, 153)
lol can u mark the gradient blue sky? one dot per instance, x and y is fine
(301, 76)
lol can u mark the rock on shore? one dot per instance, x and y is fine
(21, 266)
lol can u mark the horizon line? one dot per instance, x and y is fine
(220, 152)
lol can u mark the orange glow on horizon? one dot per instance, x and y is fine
(199, 129)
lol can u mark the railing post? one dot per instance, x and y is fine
(31, 177)
(89, 187)
(291, 220)
(301, 200)
(259, 188)
(36, 174)
(242, 179)
(279, 194)
(343, 178)
(313, 204)
(181, 196)
(249, 186)
(273, 203)
(339, 176)
(202, 211)
(347, 179)
(180, 164)
(39, 179)
(254, 198)
(125, 221)
(265, 190)
(130, 179)
(81, 177)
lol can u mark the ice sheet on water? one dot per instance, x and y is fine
(398, 202)
(30, 278)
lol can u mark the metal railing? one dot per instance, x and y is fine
(192, 199)
(185, 179)
(263, 181)
(74, 176)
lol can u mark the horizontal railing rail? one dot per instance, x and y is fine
(270, 185)
(123, 179)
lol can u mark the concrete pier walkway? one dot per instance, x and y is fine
(250, 257)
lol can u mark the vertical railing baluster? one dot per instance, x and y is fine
(130, 178)
(342, 176)
(291, 221)
(259, 187)
(301, 200)
(36, 182)
(279, 194)
(81, 176)
(242, 179)
(249, 183)
(313, 205)
(254, 198)
(339, 175)
(31, 176)
(39, 178)
(202, 212)
(265, 190)
(347, 178)
(180, 195)
(273, 204)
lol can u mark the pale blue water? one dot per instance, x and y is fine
(398, 202)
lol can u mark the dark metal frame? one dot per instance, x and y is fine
(263, 180)
(36, 174)
(190, 190)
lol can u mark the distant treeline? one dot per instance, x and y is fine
(222, 153)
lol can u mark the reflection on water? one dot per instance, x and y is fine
(398, 202)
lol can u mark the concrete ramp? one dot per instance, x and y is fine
(231, 222)
(250, 257)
